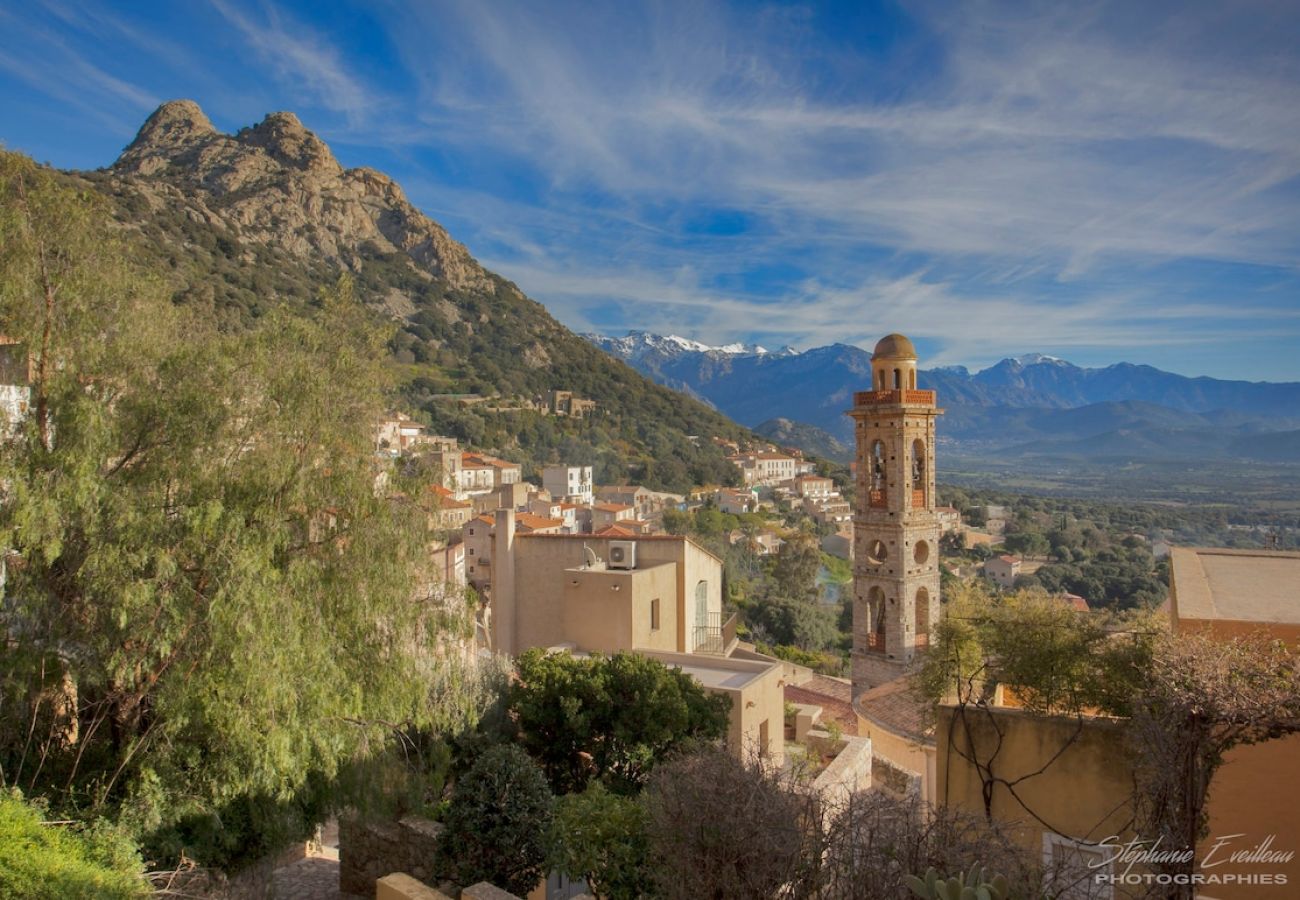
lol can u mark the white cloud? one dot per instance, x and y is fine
(303, 59)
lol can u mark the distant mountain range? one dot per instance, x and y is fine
(1030, 406)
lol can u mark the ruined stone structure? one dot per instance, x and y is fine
(895, 528)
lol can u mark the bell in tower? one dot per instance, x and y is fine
(895, 528)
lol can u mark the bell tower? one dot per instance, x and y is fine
(895, 529)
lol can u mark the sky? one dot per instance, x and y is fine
(1096, 181)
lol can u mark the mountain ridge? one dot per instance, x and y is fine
(241, 223)
(1033, 399)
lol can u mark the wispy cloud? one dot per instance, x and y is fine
(1092, 176)
(305, 60)
(1034, 151)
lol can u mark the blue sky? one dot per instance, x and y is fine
(1101, 182)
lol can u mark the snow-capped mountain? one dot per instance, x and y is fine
(641, 344)
(1020, 399)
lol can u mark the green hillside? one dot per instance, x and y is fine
(246, 223)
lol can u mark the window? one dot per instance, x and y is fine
(764, 750)
(654, 614)
(702, 604)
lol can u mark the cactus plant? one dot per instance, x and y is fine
(965, 886)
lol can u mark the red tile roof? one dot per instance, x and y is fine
(894, 707)
(832, 695)
(534, 522)
(614, 531)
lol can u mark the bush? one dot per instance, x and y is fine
(498, 824)
(601, 837)
(56, 862)
(610, 718)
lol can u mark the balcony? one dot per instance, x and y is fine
(877, 499)
(876, 641)
(905, 397)
(918, 499)
(717, 636)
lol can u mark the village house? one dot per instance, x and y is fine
(554, 509)
(1002, 570)
(603, 514)
(735, 502)
(762, 543)
(516, 495)
(949, 519)
(649, 504)
(563, 403)
(660, 596)
(571, 483)
(828, 510)
(814, 486)
(446, 511)
(765, 468)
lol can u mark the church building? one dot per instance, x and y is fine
(896, 527)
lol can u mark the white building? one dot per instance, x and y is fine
(571, 483)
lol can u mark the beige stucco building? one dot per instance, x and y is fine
(659, 595)
(1227, 594)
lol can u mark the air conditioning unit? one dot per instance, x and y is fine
(622, 554)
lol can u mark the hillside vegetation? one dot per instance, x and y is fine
(263, 219)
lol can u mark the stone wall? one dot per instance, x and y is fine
(369, 851)
(896, 780)
(850, 770)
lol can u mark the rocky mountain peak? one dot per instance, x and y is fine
(172, 127)
(276, 183)
(287, 140)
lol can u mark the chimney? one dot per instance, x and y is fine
(503, 580)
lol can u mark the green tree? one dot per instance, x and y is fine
(810, 626)
(206, 598)
(1028, 543)
(794, 574)
(608, 717)
(498, 823)
(601, 837)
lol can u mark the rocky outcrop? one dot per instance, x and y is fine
(278, 183)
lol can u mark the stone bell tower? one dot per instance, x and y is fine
(895, 529)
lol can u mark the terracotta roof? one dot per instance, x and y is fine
(614, 531)
(483, 461)
(894, 707)
(1009, 559)
(528, 520)
(490, 520)
(611, 507)
(839, 709)
(1076, 601)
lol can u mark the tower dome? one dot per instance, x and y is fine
(894, 346)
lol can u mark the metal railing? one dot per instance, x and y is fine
(908, 397)
(716, 635)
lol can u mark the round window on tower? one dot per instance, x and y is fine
(876, 553)
(921, 553)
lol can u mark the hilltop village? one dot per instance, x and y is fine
(571, 567)
(333, 566)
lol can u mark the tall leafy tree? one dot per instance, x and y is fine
(207, 598)
(608, 717)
